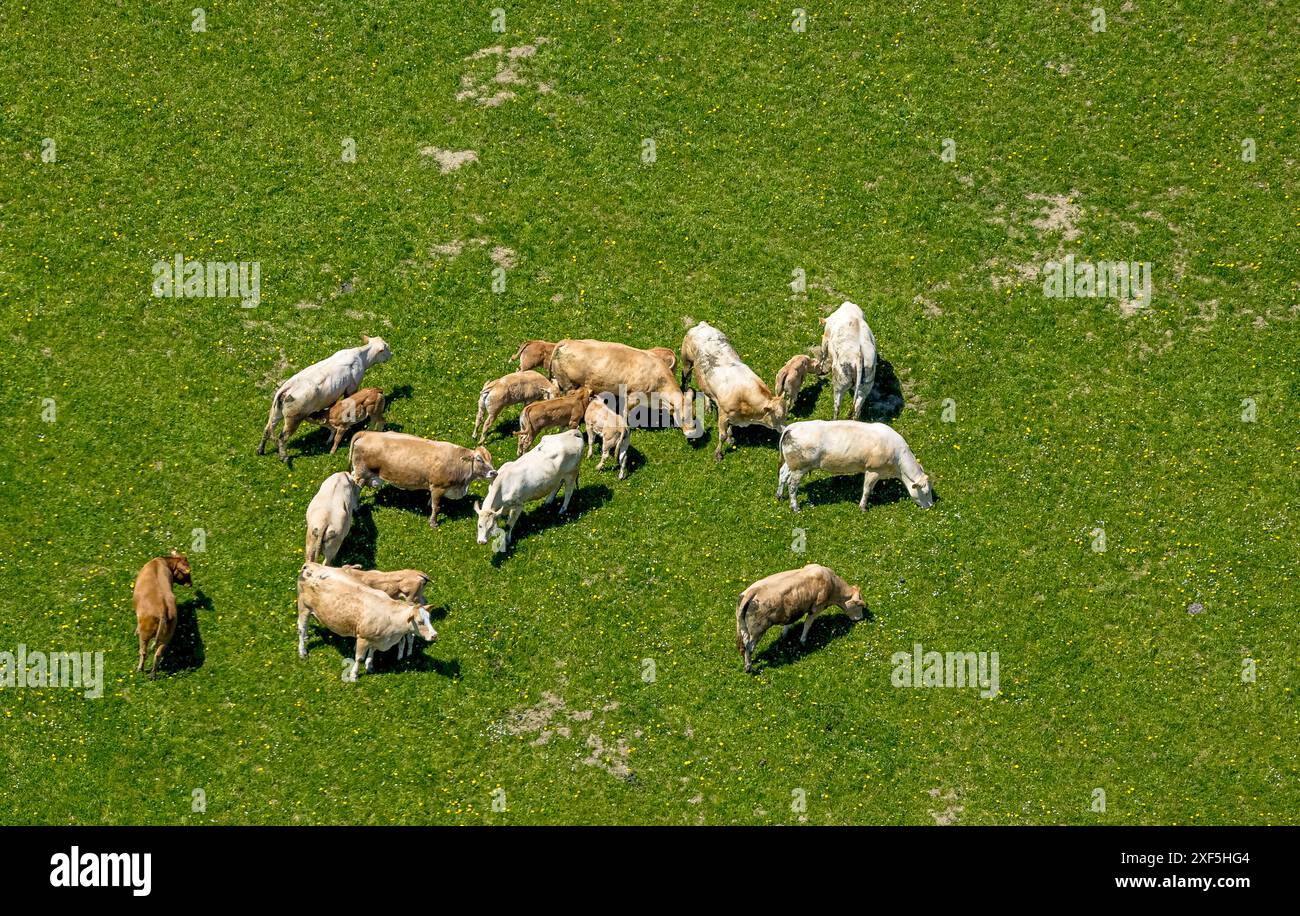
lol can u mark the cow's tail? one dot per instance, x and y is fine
(277, 413)
(519, 352)
(312, 549)
(742, 620)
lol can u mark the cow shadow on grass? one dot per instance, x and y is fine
(848, 488)
(361, 544)
(634, 460)
(417, 502)
(885, 400)
(538, 518)
(806, 401)
(185, 651)
(829, 626)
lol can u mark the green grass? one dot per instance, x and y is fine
(775, 150)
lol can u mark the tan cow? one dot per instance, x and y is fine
(411, 463)
(348, 607)
(564, 412)
(534, 353)
(319, 386)
(741, 397)
(785, 597)
(630, 375)
(155, 603)
(401, 584)
(523, 387)
(790, 379)
(611, 426)
(366, 406)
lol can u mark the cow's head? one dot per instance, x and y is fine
(855, 606)
(921, 491)
(180, 567)
(480, 464)
(774, 414)
(421, 625)
(487, 523)
(379, 352)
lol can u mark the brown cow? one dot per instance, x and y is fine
(411, 463)
(534, 353)
(366, 406)
(155, 603)
(565, 412)
(785, 597)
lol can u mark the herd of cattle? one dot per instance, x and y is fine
(609, 388)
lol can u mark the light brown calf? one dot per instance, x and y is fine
(155, 603)
(790, 379)
(521, 387)
(613, 430)
(785, 597)
(565, 412)
(534, 353)
(366, 406)
(411, 463)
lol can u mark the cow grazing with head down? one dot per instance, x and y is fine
(627, 374)
(874, 450)
(850, 355)
(411, 463)
(784, 598)
(366, 406)
(329, 517)
(791, 377)
(347, 607)
(536, 475)
(741, 397)
(611, 426)
(400, 584)
(155, 604)
(319, 386)
(523, 387)
(534, 353)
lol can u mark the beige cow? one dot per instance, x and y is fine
(411, 463)
(741, 397)
(348, 607)
(629, 375)
(329, 517)
(366, 406)
(791, 377)
(401, 584)
(611, 426)
(522, 387)
(786, 597)
(155, 604)
(874, 450)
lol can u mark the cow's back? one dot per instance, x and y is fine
(604, 366)
(409, 461)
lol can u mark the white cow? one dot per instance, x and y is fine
(329, 517)
(850, 354)
(848, 447)
(536, 474)
(319, 386)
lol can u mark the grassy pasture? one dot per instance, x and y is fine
(773, 150)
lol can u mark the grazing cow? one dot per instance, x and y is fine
(613, 430)
(564, 411)
(848, 447)
(790, 379)
(366, 406)
(534, 353)
(850, 355)
(348, 607)
(786, 597)
(626, 372)
(411, 463)
(329, 517)
(741, 396)
(665, 354)
(401, 584)
(522, 387)
(319, 386)
(155, 603)
(540, 473)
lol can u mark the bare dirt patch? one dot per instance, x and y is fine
(949, 811)
(508, 67)
(449, 160)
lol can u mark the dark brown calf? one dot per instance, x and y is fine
(155, 604)
(565, 412)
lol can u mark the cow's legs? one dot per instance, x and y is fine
(807, 625)
(839, 393)
(303, 613)
(286, 432)
(591, 440)
(434, 495)
(622, 458)
(511, 521)
(338, 436)
(145, 637)
(794, 479)
(157, 654)
(478, 417)
(868, 481)
(570, 484)
(782, 476)
(724, 432)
